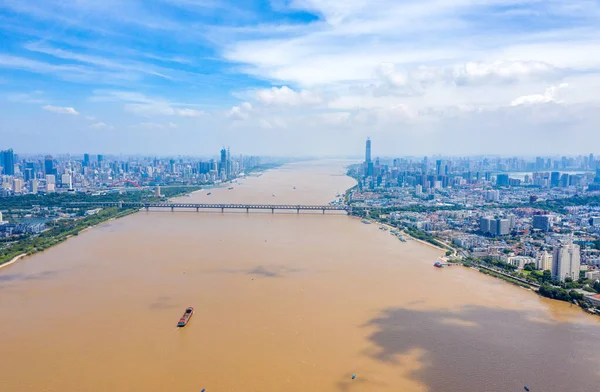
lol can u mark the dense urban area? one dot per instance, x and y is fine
(532, 222)
(37, 193)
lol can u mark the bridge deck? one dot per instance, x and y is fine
(215, 206)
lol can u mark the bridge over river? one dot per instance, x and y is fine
(221, 206)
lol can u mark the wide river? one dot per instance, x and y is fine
(284, 302)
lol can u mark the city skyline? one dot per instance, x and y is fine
(186, 77)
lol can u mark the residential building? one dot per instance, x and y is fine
(566, 262)
(17, 185)
(544, 261)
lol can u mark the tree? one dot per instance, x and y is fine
(529, 267)
(449, 253)
(546, 276)
(596, 286)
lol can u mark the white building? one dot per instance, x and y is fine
(566, 262)
(50, 179)
(1, 221)
(17, 185)
(492, 195)
(67, 181)
(520, 261)
(544, 261)
(34, 186)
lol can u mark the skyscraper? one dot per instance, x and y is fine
(49, 165)
(7, 161)
(368, 151)
(86, 160)
(502, 180)
(223, 164)
(566, 262)
(554, 179)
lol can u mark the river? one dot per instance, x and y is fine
(284, 302)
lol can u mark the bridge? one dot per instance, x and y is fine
(221, 206)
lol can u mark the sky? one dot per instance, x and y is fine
(300, 77)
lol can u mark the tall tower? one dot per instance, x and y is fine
(566, 262)
(368, 151)
(223, 162)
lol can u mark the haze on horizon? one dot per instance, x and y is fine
(300, 77)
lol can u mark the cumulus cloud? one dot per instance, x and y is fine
(60, 109)
(241, 112)
(501, 72)
(548, 96)
(285, 96)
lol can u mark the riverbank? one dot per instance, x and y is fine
(57, 234)
(13, 260)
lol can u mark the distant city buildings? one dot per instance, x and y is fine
(47, 174)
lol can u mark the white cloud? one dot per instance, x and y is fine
(501, 71)
(241, 112)
(101, 125)
(138, 103)
(60, 109)
(548, 96)
(284, 96)
(153, 125)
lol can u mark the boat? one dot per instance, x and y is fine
(208, 194)
(185, 319)
(437, 264)
(230, 188)
(366, 222)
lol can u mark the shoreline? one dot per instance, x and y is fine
(13, 260)
(171, 199)
(411, 237)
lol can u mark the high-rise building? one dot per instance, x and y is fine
(49, 166)
(86, 160)
(554, 179)
(495, 227)
(7, 161)
(66, 181)
(566, 262)
(17, 185)
(544, 261)
(542, 222)
(492, 195)
(34, 186)
(368, 151)
(485, 225)
(1, 221)
(100, 159)
(223, 163)
(502, 180)
(503, 227)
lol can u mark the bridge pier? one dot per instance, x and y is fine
(297, 210)
(222, 210)
(172, 208)
(197, 209)
(147, 208)
(247, 210)
(323, 211)
(272, 210)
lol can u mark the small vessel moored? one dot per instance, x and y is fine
(209, 193)
(186, 317)
(438, 264)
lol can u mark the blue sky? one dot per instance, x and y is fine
(300, 77)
